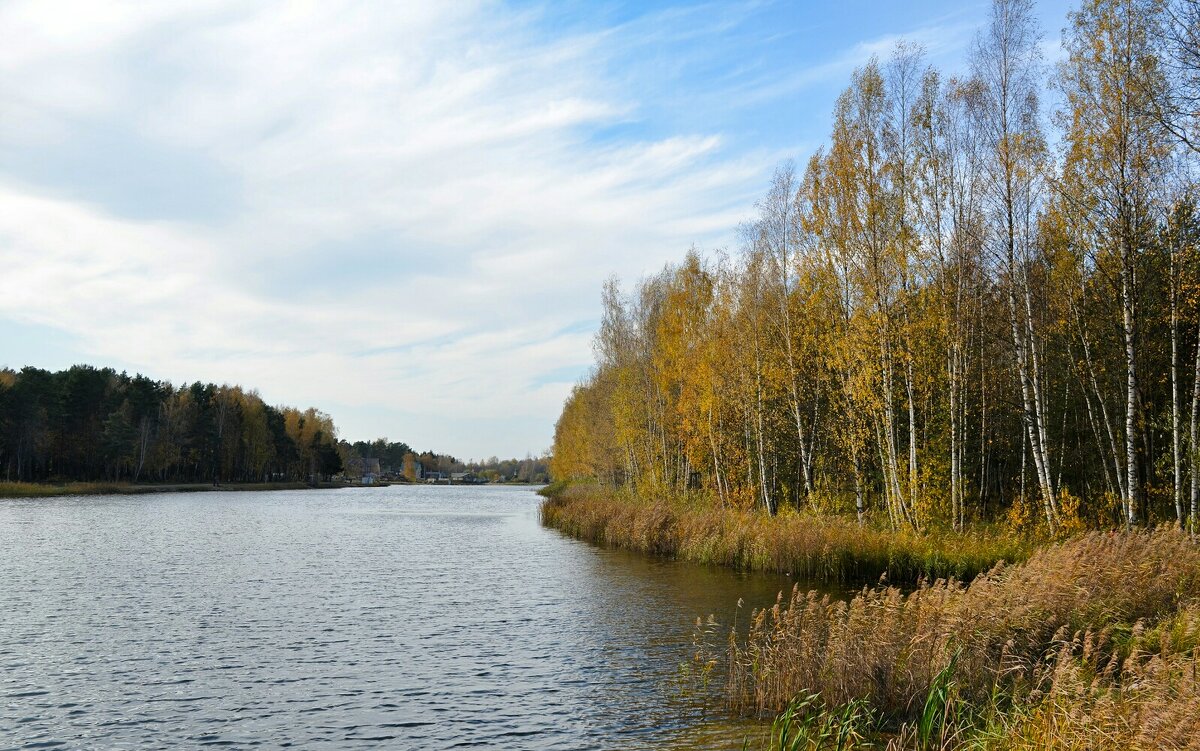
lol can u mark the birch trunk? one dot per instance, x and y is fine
(1176, 421)
(1193, 436)
(1129, 332)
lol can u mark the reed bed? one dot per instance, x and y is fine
(829, 549)
(1090, 644)
(1148, 701)
(47, 490)
(44, 490)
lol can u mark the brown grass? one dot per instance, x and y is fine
(47, 490)
(44, 490)
(1149, 701)
(814, 548)
(1091, 644)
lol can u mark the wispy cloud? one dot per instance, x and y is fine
(403, 210)
(416, 183)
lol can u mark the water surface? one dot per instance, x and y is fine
(400, 617)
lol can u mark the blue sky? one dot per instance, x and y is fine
(400, 213)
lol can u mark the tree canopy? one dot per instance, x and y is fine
(88, 423)
(958, 308)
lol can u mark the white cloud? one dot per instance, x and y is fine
(414, 208)
(403, 210)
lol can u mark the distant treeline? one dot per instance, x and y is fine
(88, 423)
(529, 469)
(397, 457)
(400, 458)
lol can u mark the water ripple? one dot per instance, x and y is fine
(398, 617)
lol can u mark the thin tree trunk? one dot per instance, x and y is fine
(793, 389)
(912, 428)
(1176, 419)
(1028, 397)
(1041, 447)
(762, 466)
(1091, 414)
(1194, 436)
(1112, 438)
(859, 501)
(712, 441)
(1129, 332)
(954, 463)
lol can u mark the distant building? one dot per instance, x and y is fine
(366, 470)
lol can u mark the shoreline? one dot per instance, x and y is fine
(816, 549)
(16, 491)
(1093, 638)
(19, 490)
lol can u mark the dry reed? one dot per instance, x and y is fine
(814, 548)
(1090, 644)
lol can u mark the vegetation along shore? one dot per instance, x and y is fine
(50, 489)
(828, 549)
(959, 349)
(89, 430)
(1090, 644)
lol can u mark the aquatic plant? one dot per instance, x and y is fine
(808, 724)
(43, 490)
(807, 546)
(1092, 643)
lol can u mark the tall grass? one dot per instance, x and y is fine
(44, 490)
(815, 548)
(1148, 700)
(809, 724)
(1090, 644)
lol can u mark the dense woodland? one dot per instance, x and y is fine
(89, 423)
(400, 458)
(962, 307)
(534, 469)
(389, 453)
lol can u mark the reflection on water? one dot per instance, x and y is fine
(405, 617)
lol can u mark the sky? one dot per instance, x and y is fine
(399, 213)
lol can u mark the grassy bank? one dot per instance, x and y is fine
(1090, 644)
(816, 548)
(47, 490)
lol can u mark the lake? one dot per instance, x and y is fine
(399, 617)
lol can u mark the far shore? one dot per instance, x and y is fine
(10, 490)
(50, 489)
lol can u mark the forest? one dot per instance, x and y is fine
(978, 300)
(954, 360)
(397, 457)
(94, 424)
(89, 424)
